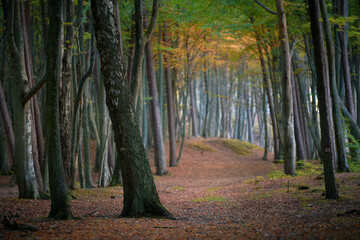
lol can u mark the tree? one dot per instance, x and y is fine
(140, 194)
(323, 89)
(288, 136)
(160, 158)
(60, 196)
(23, 161)
(170, 101)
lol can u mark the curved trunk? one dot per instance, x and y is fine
(140, 194)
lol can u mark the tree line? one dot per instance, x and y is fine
(127, 75)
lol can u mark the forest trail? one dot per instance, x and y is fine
(214, 193)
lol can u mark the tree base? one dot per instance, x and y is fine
(142, 209)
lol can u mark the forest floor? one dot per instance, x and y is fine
(214, 193)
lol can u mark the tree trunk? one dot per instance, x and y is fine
(65, 92)
(140, 194)
(170, 102)
(323, 89)
(60, 198)
(270, 101)
(23, 161)
(340, 145)
(288, 139)
(160, 158)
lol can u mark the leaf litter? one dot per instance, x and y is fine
(213, 194)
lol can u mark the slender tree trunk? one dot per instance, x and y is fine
(160, 158)
(265, 125)
(323, 89)
(65, 92)
(86, 138)
(170, 102)
(288, 139)
(270, 101)
(340, 145)
(193, 109)
(300, 151)
(140, 194)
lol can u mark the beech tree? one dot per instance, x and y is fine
(140, 194)
(60, 196)
(323, 89)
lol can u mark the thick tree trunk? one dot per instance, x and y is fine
(140, 194)
(288, 139)
(323, 89)
(60, 197)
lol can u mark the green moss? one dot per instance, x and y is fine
(261, 195)
(212, 189)
(304, 168)
(97, 192)
(210, 199)
(201, 146)
(178, 188)
(255, 180)
(239, 147)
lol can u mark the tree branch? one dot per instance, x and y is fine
(151, 27)
(35, 89)
(265, 7)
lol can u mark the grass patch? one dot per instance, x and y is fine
(201, 146)
(100, 193)
(212, 189)
(178, 188)
(261, 195)
(255, 180)
(304, 168)
(210, 199)
(239, 147)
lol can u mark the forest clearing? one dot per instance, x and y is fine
(214, 194)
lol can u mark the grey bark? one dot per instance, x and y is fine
(159, 150)
(288, 136)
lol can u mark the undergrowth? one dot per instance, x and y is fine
(210, 199)
(239, 147)
(201, 146)
(304, 168)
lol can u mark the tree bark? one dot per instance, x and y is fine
(160, 159)
(140, 194)
(340, 145)
(323, 89)
(270, 101)
(65, 91)
(170, 101)
(288, 139)
(60, 197)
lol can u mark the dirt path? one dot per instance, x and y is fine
(214, 195)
